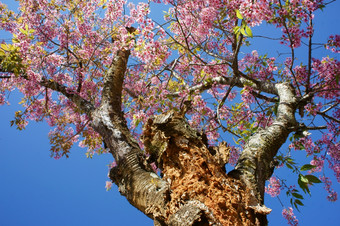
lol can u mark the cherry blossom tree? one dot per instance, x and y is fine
(163, 97)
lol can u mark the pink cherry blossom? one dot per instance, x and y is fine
(274, 187)
(290, 217)
(318, 162)
(332, 195)
(333, 43)
(108, 185)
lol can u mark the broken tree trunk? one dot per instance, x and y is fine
(201, 193)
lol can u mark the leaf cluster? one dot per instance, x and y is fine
(10, 60)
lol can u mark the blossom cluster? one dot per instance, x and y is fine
(318, 162)
(274, 187)
(332, 195)
(290, 217)
(333, 43)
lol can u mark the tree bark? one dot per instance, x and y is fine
(194, 188)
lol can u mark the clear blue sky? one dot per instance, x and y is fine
(38, 190)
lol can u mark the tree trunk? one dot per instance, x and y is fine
(201, 193)
(193, 188)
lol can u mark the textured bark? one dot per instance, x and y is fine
(255, 164)
(142, 188)
(201, 192)
(194, 188)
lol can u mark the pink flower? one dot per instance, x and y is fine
(113, 164)
(333, 43)
(234, 155)
(289, 216)
(274, 187)
(108, 185)
(332, 195)
(318, 162)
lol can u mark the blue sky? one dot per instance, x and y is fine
(38, 190)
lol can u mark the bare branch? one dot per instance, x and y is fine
(5, 77)
(327, 116)
(315, 127)
(309, 54)
(269, 99)
(330, 108)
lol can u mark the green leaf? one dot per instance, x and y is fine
(235, 141)
(321, 7)
(170, 97)
(297, 195)
(269, 113)
(236, 30)
(208, 80)
(249, 32)
(290, 160)
(23, 31)
(275, 108)
(303, 185)
(307, 167)
(297, 201)
(289, 166)
(243, 32)
(304, 179)
(296, 206)
(313, 179)
(239, 15)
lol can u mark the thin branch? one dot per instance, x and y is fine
(221, 103)
(327, 116)
(269, 99)
(292, 50)
(260, 36)
(309, 54)
(315, 127)
(330, 108)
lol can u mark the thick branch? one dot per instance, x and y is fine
(142, 188)
(255, 164)
(263, 86)
(113, 81)
(81, 103)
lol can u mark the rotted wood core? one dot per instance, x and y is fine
(196, 174)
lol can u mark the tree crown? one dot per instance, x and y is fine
(198, 62)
